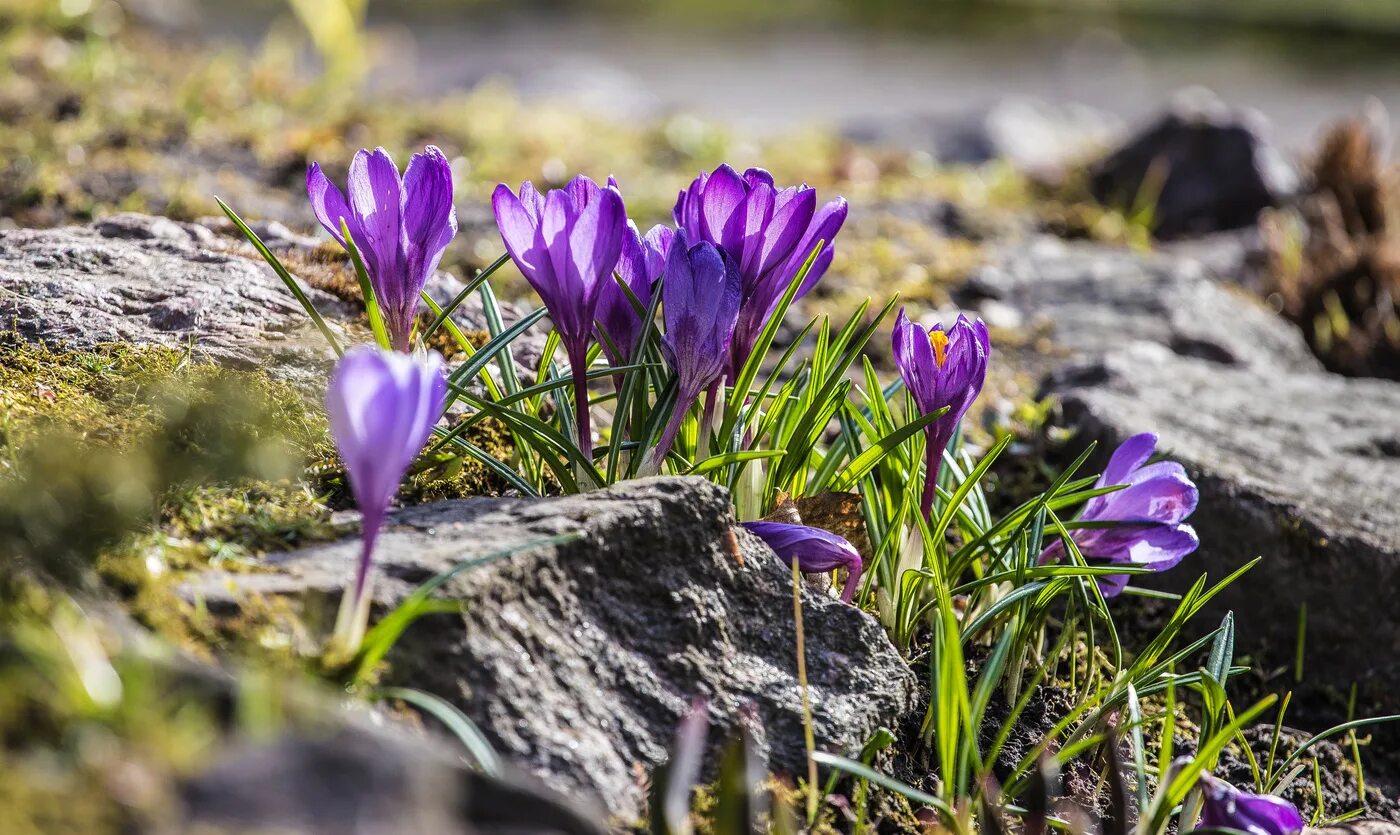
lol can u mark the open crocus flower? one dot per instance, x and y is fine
(700, 299)
(566, 243)
(941, 369)
(382, 406)
(1150, 512)
(1227, 807)
(400, 226)
(639, 267)
(768, 231)
(814, 550)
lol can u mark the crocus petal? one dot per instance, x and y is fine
(723, 195)
(1227, 807)
(813, 549)
(701, 303)
(376, 197)
(826, 223)
(639, 267)
(328, 203)
(1129, 455)
(429, 218)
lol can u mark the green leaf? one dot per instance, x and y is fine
(461, 726)
(284, 275)
(444, 313)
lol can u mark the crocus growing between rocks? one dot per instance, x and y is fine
(640, 266)
(941, 369)
(400, 226)
(382, 406)
(813, 549)
(566, 243)
(1150, 512)
(700, 301)
(768, 231)
(1226, 807)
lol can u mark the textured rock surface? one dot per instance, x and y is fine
(1091, 299)
(1202, 166)
(578, 660)
(151, 281)
(1302, 469)
(357, 779)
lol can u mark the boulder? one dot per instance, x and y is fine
(148, 280)
(1090, 299)
(1301, 468)
(356, 778)
(1202, 167)
(578, 659)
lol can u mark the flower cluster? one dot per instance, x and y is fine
(740, 246)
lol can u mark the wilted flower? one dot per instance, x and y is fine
(769, 232)
(1150, 512)
(566, 243)
(1227, 807)
(941, 369)
(814, 550)
(640, 266)
(382, 406)
(400, 226)
(700, 300)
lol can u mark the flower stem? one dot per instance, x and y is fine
(578, 364)
(712, 395)
(668, 435)
(933, 462)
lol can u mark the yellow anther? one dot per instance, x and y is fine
(939, 341)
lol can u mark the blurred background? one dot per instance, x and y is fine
(765, 67)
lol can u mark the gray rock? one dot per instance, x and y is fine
(1093, 299)
(1300, 468)
(356, 778)
(1035, 137)
(1204, 166)
(578, 660)
(151, 281)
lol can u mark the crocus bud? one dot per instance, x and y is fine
(1150, 512)
(382, 406)
(941, 369)
(700, 299)
(813, 549)
(1227, 807)
(400, 226)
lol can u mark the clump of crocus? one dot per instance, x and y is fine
(566, 243)
(1226, 807)
(640, 266)
(382, 406)
(942, 370)
(768, 231)
(813, 549)
(400, 226)
(1149, 513)
(700, 301)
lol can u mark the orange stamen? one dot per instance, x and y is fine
(939, 341)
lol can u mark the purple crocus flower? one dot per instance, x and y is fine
(768, 231)
(700, 300)
(640, 266)
(1227, 807)
(382, 405)
(400, 226)
(1150, 511)
(566, 243)
(941, 369)
(814, 550)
